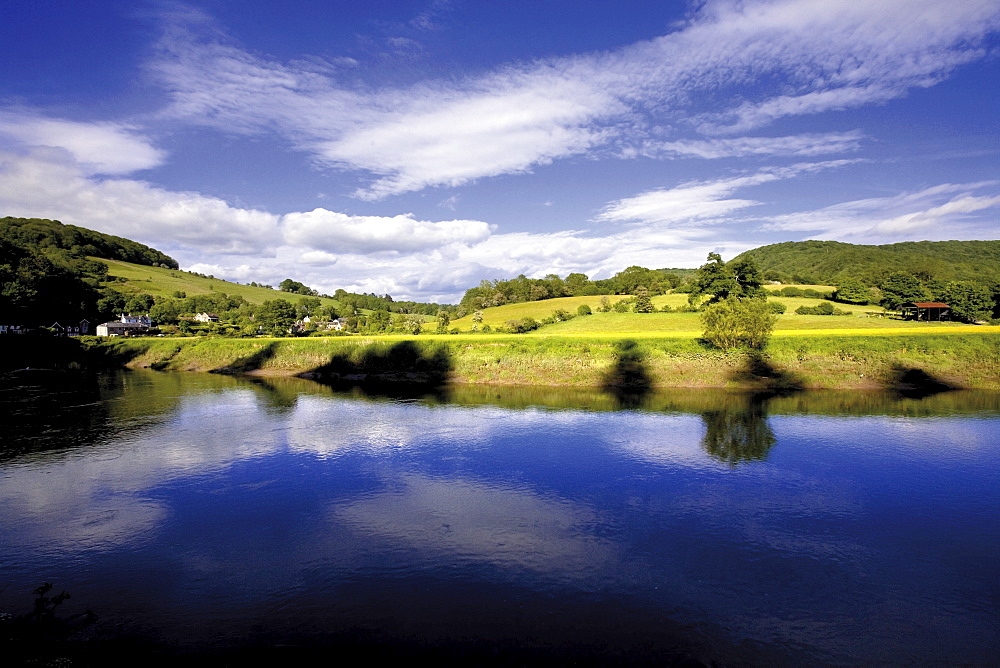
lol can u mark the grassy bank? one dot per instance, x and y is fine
(830, 360)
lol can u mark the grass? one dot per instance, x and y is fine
(967, 356)
(161, 282)
(661, 323)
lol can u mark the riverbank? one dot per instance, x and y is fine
(827, 361)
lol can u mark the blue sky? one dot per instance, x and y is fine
(417, 148)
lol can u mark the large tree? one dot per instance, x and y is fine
(899, 288)
(719, 281)
(275, 316)
(969, 301)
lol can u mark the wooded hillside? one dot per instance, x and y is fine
(46, 236)
(831, 262)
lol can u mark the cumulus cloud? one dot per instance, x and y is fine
(715, 74)
(941, 212)
(338, 232)
(45, 184)
(97, 148)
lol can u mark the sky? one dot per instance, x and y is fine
(417, 148)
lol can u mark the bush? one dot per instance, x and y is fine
(584, 309)
(521, 325)
(823, 308)
(735, 323)
(776, 307)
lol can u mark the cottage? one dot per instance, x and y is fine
(927, 311)
(206, 317)
(71, 330)
(121, 329)
(135, 319)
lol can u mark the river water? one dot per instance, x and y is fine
(204, 513)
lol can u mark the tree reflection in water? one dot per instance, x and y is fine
(738, 431)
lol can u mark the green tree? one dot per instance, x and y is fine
(853, 290)
(720, 281)
(736, 323)
(139, 304)
(969, 301)
(276, 316)
(443, 321)
(714, 280)
(643, 304)
(899, 288)
(575, 283)
(309, 306)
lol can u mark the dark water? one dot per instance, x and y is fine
(198, 512)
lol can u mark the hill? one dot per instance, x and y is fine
(49, 236)
(130, 278)
(831, 262)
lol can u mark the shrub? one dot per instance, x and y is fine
(521, 325)
(734, 323)
(583, 309)
(776, 307)
(823, 308)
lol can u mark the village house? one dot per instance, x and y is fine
(127, 325)
(135, 319)
(206, 317)
(80, 329)
(334, 325)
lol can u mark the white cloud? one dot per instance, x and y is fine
(699, 202)
(98, 148)
(339, 232)
(820, 56)
(796, 145)
(941, 212)
(44, 184)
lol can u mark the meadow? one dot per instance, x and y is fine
(866, 359)
(162, 282)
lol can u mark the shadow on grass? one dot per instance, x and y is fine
(762, 378)
(628, 380)
(250, 362)
(913, 383)
(402, 370)
(738, 431)
(116, 353)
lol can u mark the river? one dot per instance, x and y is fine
(205, 514)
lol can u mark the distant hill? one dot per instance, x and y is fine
(830, 262)
(46, 235)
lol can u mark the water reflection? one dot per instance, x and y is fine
(737, 431)
(475, 521)
(223, 509)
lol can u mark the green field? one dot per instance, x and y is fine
(963, 356)
(862, 318)
(161, 282)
